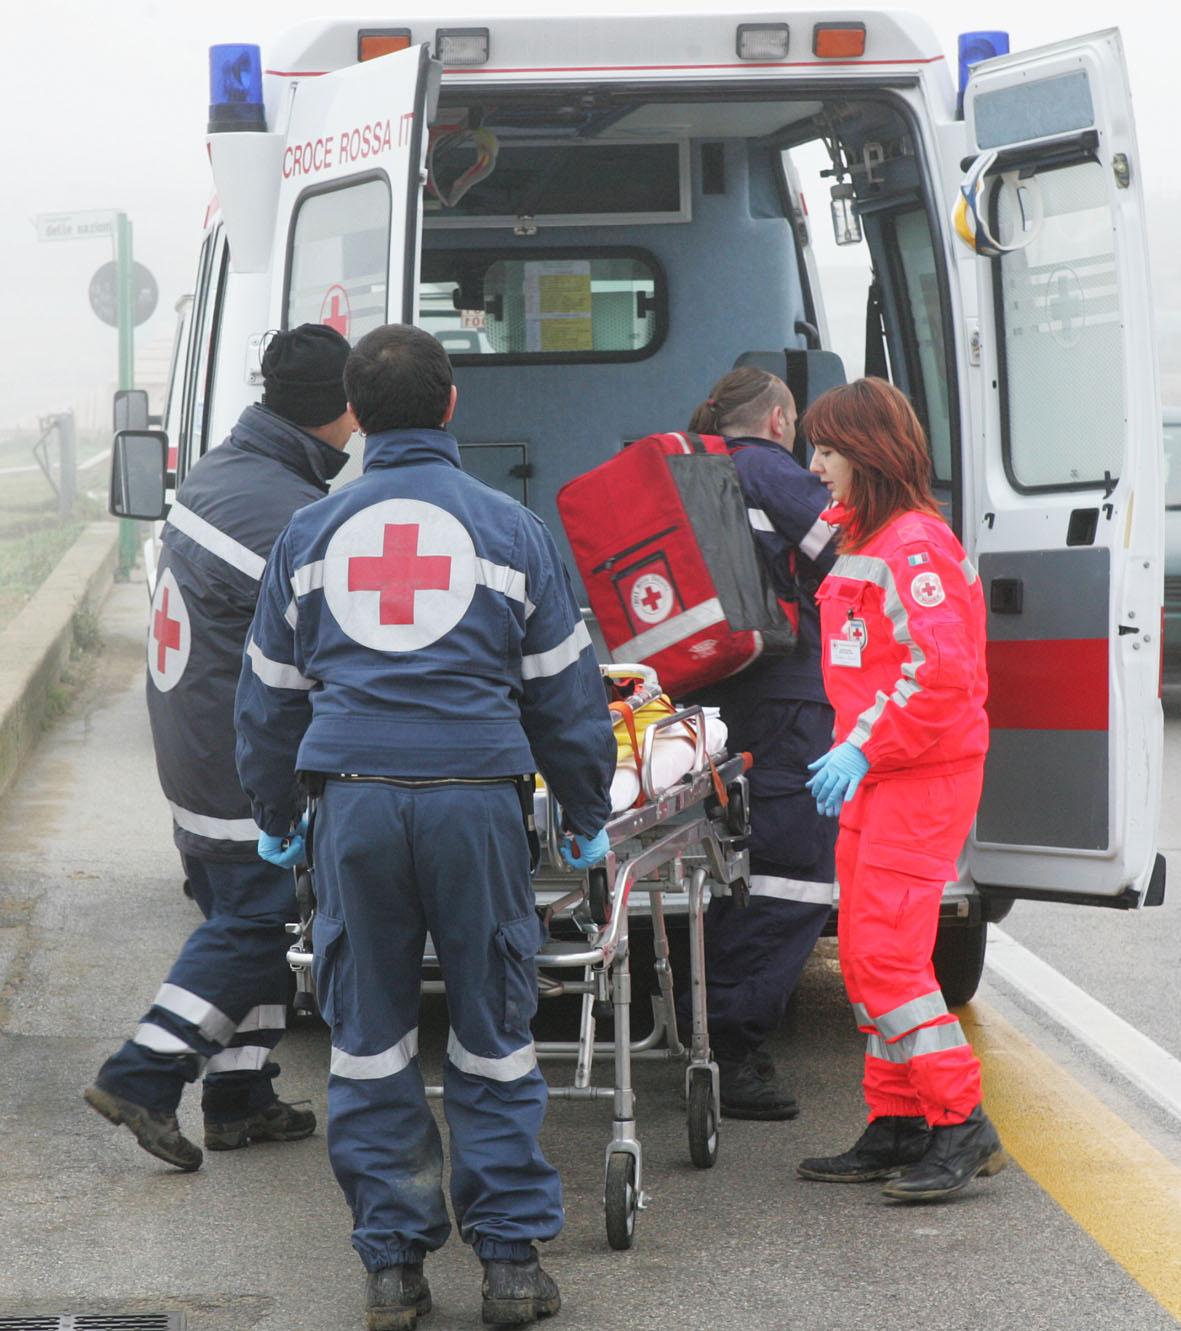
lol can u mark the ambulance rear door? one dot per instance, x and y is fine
(350, 203)
(1066, 462)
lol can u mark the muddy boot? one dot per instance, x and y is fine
(957, 1153)
(276, 1122)
(748, 1092)
(396, 1297)
(516, 1293)
(886, 1146)
(159, 1134)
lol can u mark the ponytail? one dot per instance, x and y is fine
(705, 418)
(738, 402)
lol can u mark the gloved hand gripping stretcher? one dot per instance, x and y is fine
(680, 809)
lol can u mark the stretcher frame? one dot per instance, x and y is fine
(678, 839)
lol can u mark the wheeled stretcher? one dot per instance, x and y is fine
(674, 842)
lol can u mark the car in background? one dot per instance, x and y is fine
(1172, 417)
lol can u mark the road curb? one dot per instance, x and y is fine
(36, 645)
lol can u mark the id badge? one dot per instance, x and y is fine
(844, 652)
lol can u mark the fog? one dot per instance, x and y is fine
(105, 107)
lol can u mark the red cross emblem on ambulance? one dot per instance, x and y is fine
(399, 575)
(169, 634)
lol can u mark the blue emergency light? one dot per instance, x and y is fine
(975, 47)
(235, 89)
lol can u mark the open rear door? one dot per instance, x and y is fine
(1068, 484)
(350, 203)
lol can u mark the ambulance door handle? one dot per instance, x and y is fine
(1006, 596)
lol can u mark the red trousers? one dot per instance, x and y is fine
(897, 847)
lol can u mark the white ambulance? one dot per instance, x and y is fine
(599, 216)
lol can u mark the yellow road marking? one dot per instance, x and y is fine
(1122, 1191)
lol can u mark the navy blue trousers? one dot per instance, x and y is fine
(754, 954)
(392, 863)
(223, 1007)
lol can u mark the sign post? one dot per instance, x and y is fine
(92, 225)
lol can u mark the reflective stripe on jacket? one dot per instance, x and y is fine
(903, 648)
(227, 514)
(418, 623)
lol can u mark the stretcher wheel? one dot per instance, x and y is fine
(599, 894)
(737, 823)
(703, 1120)
(620, 1199)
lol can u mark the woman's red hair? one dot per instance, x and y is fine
(872, 425)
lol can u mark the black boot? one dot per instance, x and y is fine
(516, 1293)
(396, 1297)
(276, 1122)
(886, 1146)
(159, 1134)
(958, 1152)
(749, 1089)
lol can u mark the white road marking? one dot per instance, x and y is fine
(1143, 1062)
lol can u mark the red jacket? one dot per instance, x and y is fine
(902, 629)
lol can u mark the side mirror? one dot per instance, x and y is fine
(139, 463)
(131, 409)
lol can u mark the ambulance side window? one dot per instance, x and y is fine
(201, 363)
(1058, 314)
(338, 257)
(927, 355)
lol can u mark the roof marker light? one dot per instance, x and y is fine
(461, 46)
(975, 47)
(838, 41)
(762, 41)
(235, 89)
(374, 42)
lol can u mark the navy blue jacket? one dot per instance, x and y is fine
(418, 623)
(784, 503)
(227, 514)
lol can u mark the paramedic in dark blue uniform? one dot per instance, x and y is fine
(417, 648)
(223, 1006)
(776, 710)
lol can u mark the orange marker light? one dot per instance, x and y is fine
(838, 41)
(374, 42)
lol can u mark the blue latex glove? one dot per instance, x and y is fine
(838, 774)
(584, 852)
(287, 852)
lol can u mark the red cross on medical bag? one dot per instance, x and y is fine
(661, 537)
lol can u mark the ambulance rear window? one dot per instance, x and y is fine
(557, 306)
(336, 269)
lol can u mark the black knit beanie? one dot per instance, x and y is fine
(303, 373)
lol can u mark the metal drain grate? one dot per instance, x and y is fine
(95, 1322)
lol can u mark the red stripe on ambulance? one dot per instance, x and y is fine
(1051, 684)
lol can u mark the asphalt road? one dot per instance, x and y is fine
(91, 916)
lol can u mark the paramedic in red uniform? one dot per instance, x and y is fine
(902, 628)
(776, 710)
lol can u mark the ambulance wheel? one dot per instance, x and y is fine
(958, 959)
(703, 1120)
(619, 1200)
(599, 893)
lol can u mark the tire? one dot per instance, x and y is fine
(703, 1120)
(619, 1200)
(599, 895)
(958, 959)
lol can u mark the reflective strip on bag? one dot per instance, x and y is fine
(644, 645)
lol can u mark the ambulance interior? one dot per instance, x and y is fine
(594, 259)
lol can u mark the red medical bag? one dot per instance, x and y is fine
(661, 537)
